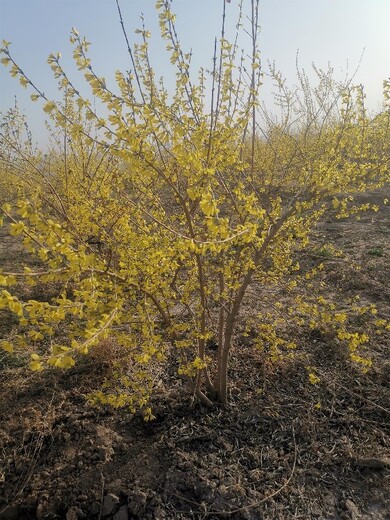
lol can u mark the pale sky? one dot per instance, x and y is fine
(335, 31)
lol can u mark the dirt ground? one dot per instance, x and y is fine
(283, 449)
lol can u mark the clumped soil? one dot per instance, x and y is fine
(283, 448)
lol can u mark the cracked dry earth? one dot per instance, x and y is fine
(272, 454)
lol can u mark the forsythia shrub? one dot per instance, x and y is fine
(155, 220)
(16, 150)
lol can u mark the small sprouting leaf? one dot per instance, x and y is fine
(35, 335)
(36, 366)
(192, 193)
(23, 81)
(6, 345)
(49, 107)
(313, 378)
(17, 228)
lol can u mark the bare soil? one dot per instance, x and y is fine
(283, 449)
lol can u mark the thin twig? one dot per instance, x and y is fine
(354, 393)
(271, 495)
(101, 495)
(259, 502)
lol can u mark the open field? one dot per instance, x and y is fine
(284, 448)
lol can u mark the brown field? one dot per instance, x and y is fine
(284, 449)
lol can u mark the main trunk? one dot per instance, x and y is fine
(222, 375)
